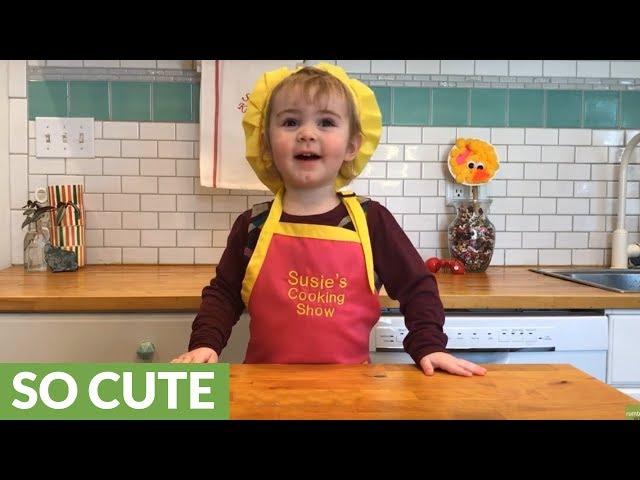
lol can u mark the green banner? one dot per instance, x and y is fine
(114, 391)
(632, 412)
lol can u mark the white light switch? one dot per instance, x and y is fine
(64, 137)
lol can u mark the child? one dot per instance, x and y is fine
(308, 265)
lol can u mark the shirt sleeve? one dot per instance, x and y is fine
(407, 280)
(222, 304)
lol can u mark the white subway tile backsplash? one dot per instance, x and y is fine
(104, 256)
(525, 68)
(157, 166)
(403, 170)
(521, 257)
(220, 204)
(158, 203)
(177, 149)
(140, 255)
(120, 130)
(432, 239)
(553, 154)
(541, 136)
(17, 78)
(421, 153)
(608, 137)
(554, 257)
(106, 148)
(94, 238)
(496, 188)
(437, 170)
(523, 153)
(633, 189)
(188, 168)
(176, 221)
(625, 69)
(432, 205)
(387, 66)
(388, 153)
(539, 205)
(510, 171)
(507, 136)
(182, 185)
(572, 239)
(506, 205)
(592, 155)
(158, 238)
(559, 68)
(509, 240)
(18, 127)
(457, 67)
(439, 135)
(404, 205)
(538, 240)
(606, 172)
(604, 206)
(590, 189)
(213, 221)
(194, 238)
(121, 238)
(355, 66)
(385, 187)
(587, 257)
(374, 170)
(106, 220)
(556, 188)
(425, 67)
(419, 222)
(492, 67)
(555, 223)
(574, 136)
(97, 129)
(600, 239)
(84, 166)
(404, 135)
(588, 223)
(593, 68)
(573, 206)
(104, 184)
(120, 166)
(92, 201)
(522, 223)
(523, 188)
(140, 148)
(141, 220)
(187, 131)
(420, 188)
(574, 172)
(170, 256)
(543, 171)
(18, 183)
(220, 238)
(140, 185)
(138, 64)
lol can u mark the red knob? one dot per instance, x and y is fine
(433, 264)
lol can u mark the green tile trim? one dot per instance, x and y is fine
(89, 99)
(172, 102)
(47, 99)
(601, 109)
(411, 106)
(564, 109)
(630, 110)
(450, 107)
(488, 107)
(131, 101)
(195, 102)
(383, 96)
(526, 108)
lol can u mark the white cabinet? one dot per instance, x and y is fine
(89, 337)
(104, 337)
(624, 348)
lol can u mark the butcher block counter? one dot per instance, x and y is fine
(399, 392)
(113, 288)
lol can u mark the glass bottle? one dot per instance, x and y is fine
(35, 239)
(471, 235)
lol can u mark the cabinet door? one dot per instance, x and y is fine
(624, 352)
(92, 337)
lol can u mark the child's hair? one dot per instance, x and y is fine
(316, 86)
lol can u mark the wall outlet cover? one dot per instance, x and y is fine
(58, 137)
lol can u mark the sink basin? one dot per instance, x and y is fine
(616, 280)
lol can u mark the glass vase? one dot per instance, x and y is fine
(471, 235)
(35, 239)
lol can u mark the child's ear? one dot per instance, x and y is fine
(353, 147)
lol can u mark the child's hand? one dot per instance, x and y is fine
(451, 364)
(198, 355)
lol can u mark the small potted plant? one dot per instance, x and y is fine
(37, 236)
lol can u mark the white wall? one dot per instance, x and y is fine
(5, 221)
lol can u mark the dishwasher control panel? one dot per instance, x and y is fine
(390, 332)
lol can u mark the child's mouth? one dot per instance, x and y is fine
(306, 156)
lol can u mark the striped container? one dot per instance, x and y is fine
(70, 233)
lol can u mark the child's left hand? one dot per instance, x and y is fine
(451, 364)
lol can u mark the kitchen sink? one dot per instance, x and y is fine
(616, 280)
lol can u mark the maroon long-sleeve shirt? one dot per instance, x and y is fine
(396, 262)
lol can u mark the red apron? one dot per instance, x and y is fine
(310, 292)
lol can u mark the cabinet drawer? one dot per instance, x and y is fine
(92, 337)
(624, 365)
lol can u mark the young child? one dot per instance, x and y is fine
(308, 265)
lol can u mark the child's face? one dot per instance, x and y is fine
(310, 142)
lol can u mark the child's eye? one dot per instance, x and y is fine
(289, 122)
(327, 122)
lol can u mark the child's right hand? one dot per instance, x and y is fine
(198, 355)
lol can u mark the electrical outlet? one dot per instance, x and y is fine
(455, 191)
(64, 137)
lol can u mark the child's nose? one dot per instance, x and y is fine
(306, 134)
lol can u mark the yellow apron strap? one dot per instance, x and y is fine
(359, 220)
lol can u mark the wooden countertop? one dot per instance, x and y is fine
(96, 288)
(377, 391)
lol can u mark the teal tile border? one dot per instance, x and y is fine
(419, 106)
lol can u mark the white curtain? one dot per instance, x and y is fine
(224, 89)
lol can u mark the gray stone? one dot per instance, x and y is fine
(60, 260)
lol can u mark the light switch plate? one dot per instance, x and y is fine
(64, 137)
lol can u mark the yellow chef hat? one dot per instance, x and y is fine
(254, 120)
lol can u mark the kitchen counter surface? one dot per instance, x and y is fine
(403, 392)
(109, 288)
